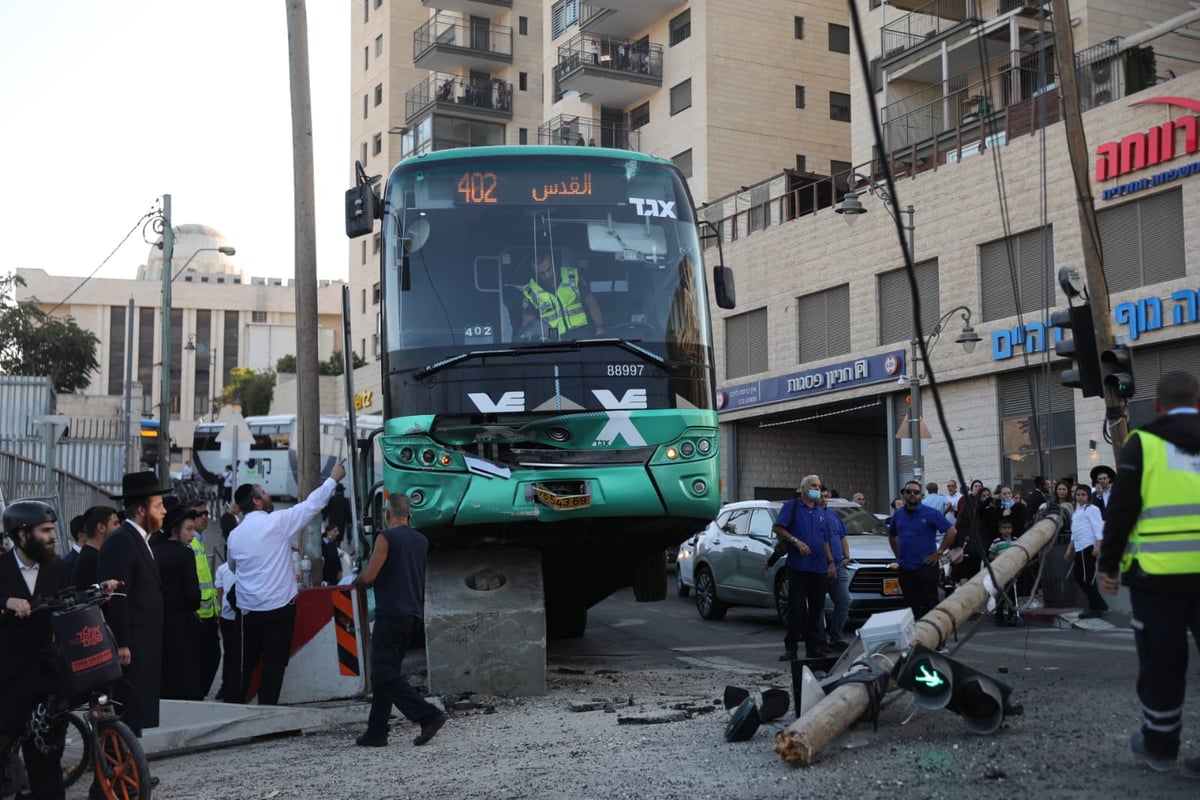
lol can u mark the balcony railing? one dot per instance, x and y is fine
(573, 130)
(619, 56)
(443, 32)
(938, 17)
(491, 96)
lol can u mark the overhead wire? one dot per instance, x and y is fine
(107, 258)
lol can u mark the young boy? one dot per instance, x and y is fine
(1005, 614)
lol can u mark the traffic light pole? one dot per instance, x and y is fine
(1116, 421)
(802, 741)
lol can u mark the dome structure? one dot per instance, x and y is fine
(197, 246)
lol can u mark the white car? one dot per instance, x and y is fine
(685, 565)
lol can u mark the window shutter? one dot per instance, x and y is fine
(1119, 238)
(759, 344)
(838, 319)
(895, 302)
(746, 344)
(1162, 237)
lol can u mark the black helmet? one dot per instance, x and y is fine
(26, 514)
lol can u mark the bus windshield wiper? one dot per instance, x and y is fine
(545, 347)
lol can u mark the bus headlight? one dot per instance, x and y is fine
(427, 457)
(704, 445)
(672, 453)
(700, 487)
(687, 449)
(416, 497)
(406, 453)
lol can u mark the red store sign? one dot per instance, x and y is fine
(1155, 146)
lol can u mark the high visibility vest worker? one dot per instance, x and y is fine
(1166, 538)
(561, 309)
(209, 608)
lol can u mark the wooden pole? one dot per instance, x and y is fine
(801, 742)
(308, 404)
(1093, 264)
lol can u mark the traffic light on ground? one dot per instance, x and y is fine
(1119, 368)
(938, 681)
(1080, 346)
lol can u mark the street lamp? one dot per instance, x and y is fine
(850, 208)
(212, 367)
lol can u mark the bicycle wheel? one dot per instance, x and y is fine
(120, 763)
(77, 749)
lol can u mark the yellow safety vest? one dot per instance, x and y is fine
(1166, 538)
(562, 309)
(208, 591)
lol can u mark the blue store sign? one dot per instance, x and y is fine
(846, 375)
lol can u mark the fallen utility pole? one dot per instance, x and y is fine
(802, 741)
(1116, 422)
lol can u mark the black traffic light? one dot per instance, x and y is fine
(1081, 347)
(1119, 369)
(937, 681)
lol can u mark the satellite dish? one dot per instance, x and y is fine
(1072, 282)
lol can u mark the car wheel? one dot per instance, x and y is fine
(682, 588)
(706, 596)
(650, 576)
(781, 596)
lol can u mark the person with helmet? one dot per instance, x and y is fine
(1152, 535)
(27, 657)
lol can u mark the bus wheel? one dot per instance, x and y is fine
(650, 576)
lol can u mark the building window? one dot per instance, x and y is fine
(639, 116)
(1023, 283)
(523, 26)
(366, 11)
(684, 162)
(362, 154)
(839, 38)
(364, 300)
(379, 94)
(823, 321)
(1021, 430)
(841, 171)
(681, 27)
(798, 27)
(563, 15)
(801, 163)
(375, 242)
(522, 81)
(366, 58)
(746, 344)
(375, 293)
(258, 316)
(377, 144)
(876, 70)
(681, 96)
(839, 106)
(366, 104)
(1149, 365)
(894, 297)
(363, 247)
(522, 136)
(1142, 241)
(116, 350)
(379, 45)
(758, 217)
(799, 97)
(378, 3)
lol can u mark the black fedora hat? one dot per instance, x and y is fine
(1103, 469)
(137, 485)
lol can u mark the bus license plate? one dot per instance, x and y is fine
(563, 502)
(891, 587)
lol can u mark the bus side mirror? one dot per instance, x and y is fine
(360, 210)
(723, 287)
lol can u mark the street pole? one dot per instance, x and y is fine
(127, 428)
(914, 375)
(164, 399)
(1116, 422)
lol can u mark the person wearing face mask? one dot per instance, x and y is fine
(1010, 508)
(912, 534)
(804, 526)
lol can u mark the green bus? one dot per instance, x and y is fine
(571, 411)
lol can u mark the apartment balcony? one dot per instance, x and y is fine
(473, 8)
(625, 17)
(454, 95)
(920, 34)
(572, 130)
(608, 70)
(446, 44)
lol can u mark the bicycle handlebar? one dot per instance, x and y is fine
(66, 599)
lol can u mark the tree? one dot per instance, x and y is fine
(330, 366)
(35, 343)
(286, 364)
(254, 390)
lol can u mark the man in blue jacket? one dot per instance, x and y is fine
(912, 533)
(802, 524)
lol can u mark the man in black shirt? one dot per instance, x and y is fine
(397, 570)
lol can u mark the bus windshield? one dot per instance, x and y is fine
(510, 251)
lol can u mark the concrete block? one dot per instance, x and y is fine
(486, 641)
(188, 725)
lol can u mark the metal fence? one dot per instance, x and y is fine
(25, 479)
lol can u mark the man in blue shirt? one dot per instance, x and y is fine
(912, 533)
(803, 525)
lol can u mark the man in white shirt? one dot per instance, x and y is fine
(954, 496)
(260, 552)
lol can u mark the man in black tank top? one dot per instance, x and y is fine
(397, 571)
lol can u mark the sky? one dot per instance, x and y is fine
(109, 104)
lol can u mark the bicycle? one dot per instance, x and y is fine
(89, 660)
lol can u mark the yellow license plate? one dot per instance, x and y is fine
(563, 502)
(891, 587)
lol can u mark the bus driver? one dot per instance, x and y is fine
(561, 303)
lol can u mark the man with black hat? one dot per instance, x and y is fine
(136, 615)
(1103, 478)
